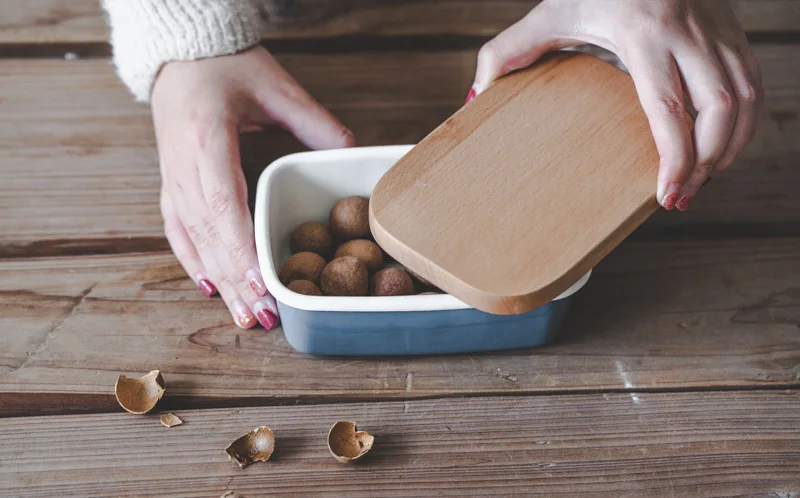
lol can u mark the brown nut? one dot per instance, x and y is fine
(366, 251)
(345, 276)
(347, 444)
(349, 218)
(255, 446)
(170, 420)
(312, 236)
(140, 395)
(305, 287)
(302, 266)
(391, 282)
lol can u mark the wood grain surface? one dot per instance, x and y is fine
(78, 156)
(677, 374)
(673, 444)
(654, 316)
(81, 21)
(542, 175)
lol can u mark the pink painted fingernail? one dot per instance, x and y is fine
(256, 282)
(206, 287)
(471, 95)
(242, 315)
(670, 195)
(266, 313)
(683, 202)
(266, 319)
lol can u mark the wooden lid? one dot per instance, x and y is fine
(522, 191)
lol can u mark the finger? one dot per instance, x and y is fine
(183, 247)
(746, 83)
(187, 196)
(285, 101)
(708, 87)
(517, 47)
(660, 91)
(225, 193)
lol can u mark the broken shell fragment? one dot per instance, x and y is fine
(255, 446)
(170, 420)
(347, 444)
(140, 395)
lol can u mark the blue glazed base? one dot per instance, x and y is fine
(347, 333)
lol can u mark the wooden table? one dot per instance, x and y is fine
(678, 372)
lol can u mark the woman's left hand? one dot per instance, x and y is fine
(672, 49)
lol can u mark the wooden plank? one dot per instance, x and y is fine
(81, 21)
(673, 444)
(79, 158)
(654, 316)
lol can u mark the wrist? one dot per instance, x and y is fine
(146, 34)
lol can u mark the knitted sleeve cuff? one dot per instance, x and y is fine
(146, 34)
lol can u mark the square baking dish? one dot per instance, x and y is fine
(304, 187)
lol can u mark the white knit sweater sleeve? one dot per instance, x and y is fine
(146, 34)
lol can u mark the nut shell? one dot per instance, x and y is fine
(349, 218)
(255, 446)
(305, 287)
(170, 420)
(312, 236)
(302, 266)
(140, 395)
(366, 251)
(347, 444)
(345, 276)
(391, 282)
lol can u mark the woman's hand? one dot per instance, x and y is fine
(672, 49)
(199, 108)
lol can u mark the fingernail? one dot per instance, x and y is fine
(683, 202)
(669, 196)
(266, 313)
(471, 95)
(206, 286)
(256, 282)
(242, 315)
(266, 319)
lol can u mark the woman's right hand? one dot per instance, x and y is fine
(199, 109)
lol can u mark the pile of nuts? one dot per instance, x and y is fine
(342, 259)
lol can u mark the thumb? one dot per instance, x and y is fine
(297, 111)
(518, 46)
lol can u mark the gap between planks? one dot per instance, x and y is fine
(57, 404)
(345, 44)
(97, 246)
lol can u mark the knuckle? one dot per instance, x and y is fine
(220, 203)
(750, 94)
(724, 100)
(705, 169)
(211, 231)
(670, 104)
(196, 235)
(240, 252)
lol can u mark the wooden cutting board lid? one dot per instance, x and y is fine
(523, 190)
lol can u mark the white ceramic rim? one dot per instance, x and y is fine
(439, 302)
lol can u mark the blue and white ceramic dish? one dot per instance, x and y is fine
(305, 186)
